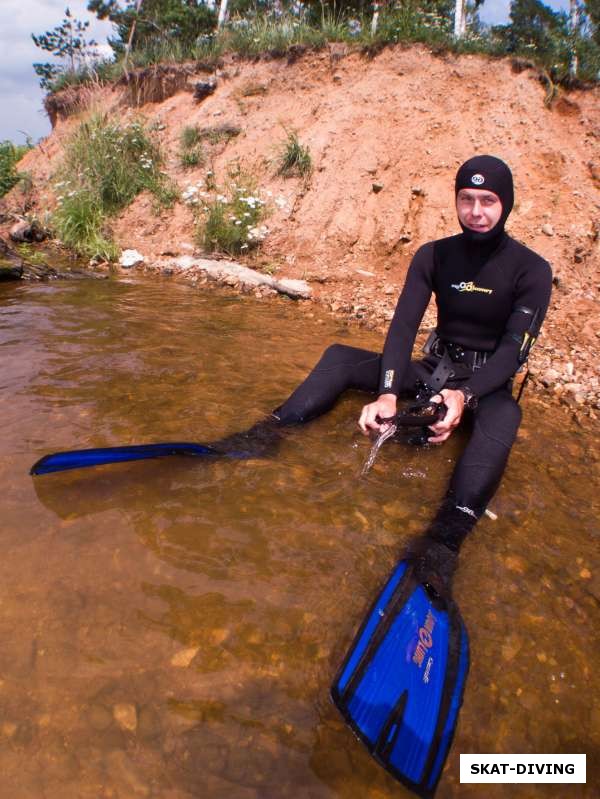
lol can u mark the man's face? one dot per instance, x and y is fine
(478, 209)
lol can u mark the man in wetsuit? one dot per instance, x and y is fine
(492, 294)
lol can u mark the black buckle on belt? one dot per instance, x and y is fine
(456, 353)
(438, 347)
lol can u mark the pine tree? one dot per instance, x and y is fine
(65, 41)
(537, 29)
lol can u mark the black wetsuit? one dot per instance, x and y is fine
(485, 293)
(492, 294)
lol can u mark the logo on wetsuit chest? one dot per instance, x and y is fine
(470, 286)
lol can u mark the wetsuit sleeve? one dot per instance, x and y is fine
(403, 328)
(532, 292)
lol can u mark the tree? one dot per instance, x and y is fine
(10, 155)
(154, 22)
(537, 29)
(65, 41)
(138, 5)
(592, 11)
(222, 13)
(460, 18)
(574, 34)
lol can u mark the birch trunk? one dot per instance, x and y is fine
(222, 14)
(574, 25)
(460, 19)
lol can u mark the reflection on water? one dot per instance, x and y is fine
(170, 628)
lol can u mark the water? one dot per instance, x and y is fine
(170, 629)
(388, 432)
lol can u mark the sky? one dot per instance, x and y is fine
(20, 96)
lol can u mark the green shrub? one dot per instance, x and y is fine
(294, 159)
(191, 158)
(231, 223)
(191, 153)
(80, 222)
(106, 166)
(10, 155)
(190, 136)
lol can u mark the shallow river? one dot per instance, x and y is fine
(170, 628)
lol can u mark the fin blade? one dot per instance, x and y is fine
(401, 684)
(79, 459)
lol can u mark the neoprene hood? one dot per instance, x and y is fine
(487, 172)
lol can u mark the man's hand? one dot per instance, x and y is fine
(455, 402)
(383, 408)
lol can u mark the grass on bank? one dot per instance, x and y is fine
(10, 155)
(294, 158)
(229, 220)
(256, 35)
(106, 165)
(191, 153)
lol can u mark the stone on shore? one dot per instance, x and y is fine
(27, 231)
(131, 258)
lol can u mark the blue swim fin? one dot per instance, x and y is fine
(256, 442)
(81, 458)
(401, 685)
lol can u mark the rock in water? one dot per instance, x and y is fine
(10, 271)
(125, 715)
(184, 657)
(11, 265)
